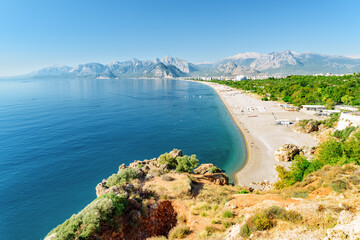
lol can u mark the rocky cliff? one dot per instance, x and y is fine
(168, 198)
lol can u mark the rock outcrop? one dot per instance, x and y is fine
(309, 127)
(348, 227)
(217, 178)
(286, 153)
(203, 168)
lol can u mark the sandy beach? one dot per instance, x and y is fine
(256, 120)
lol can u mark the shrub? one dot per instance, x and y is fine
(211, 229)
(329, 221)
(227, 214)
(179, 232)
(168, 159)
(262, 221)
(300, 194)
(216, 221)
(354, 179)
(243, 191)
(273, 97)
(245, 231)
(228, 224)
(339, 185)
(296, 173)
(345, 133)
(203, 214)
(181, 219)
(266, 219)
(186, 163)
(87, 221)
(215, 170)
(121, 177)
(265, 99)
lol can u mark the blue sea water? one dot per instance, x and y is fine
(60, 137)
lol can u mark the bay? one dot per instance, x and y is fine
(60, 137)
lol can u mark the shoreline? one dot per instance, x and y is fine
(262, 137)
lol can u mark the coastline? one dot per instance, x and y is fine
(261, 135)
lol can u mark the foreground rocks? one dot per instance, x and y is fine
(309, 127)
(217, 178)
(286, 153)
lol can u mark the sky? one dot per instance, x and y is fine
(40, 33)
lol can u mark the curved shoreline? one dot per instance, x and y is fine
(246, 136)
(262, 137)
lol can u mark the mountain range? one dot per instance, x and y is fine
(249, 64)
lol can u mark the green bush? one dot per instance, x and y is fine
(186, 163)
(266, 219)
(296, 173)
(168, 159)
(227, 214)
(265, 99)
(245, 231)
(179, 232)
(339, 185)
(344, 134)
(262, 221)
(121, 177)
(228, 224)
(87, 221)
(300, 194)
(214, 170)
(243, 191)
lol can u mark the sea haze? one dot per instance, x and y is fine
(60, 137)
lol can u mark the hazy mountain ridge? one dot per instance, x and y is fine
(249, 64)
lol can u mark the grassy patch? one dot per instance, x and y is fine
(179, 232)
(267, 218)
(121, 177)
(227, 214)
(86, 222)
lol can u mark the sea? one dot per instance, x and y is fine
(60, 137)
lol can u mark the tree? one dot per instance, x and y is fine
(168, 159)
(330, 104)
(186, 163)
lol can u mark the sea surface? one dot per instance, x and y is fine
(60, 137)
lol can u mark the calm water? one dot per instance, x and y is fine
(59, 138)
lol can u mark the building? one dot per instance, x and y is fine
(313, 109)
(346, 108)
(239, 78)
(348, 119)
(288, 107)
(327, 112)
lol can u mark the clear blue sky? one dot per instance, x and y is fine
(39, 33)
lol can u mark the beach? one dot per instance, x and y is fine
(256, 120)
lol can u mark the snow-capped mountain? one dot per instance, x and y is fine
(249, 64)
(289, 62)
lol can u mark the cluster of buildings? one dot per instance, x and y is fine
(252, 77)
(349, 115)
(321, 110)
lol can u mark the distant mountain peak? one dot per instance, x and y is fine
(248, 63)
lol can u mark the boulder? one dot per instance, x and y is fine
(102, 189)
(348, 227)
(122, 167)
(176, 153)
(217, 178)
(286, 153)
(164, 168)
(310, 126)
(203, 168)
